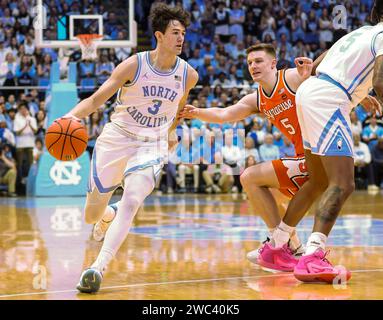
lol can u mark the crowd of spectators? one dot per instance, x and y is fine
(215, 46)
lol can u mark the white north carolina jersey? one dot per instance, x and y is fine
(148, 105)
(350, 61)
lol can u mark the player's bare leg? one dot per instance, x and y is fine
(340, 173)
(132, 199)
(260, 182)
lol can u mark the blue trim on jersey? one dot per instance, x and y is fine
(97, 181)
(185, 76)
(373, 44)
(331, 150)
(327, 78)
(142, 166)
(306, 144)
(362, 79)
(138, 71)
(337, 115)
(360, 73)
(159, 72)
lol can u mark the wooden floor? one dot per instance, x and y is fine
(180, 247)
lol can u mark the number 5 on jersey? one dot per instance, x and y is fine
(288, 126)
(155, 107)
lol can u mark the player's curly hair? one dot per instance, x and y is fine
(377, 11)
(162, 14)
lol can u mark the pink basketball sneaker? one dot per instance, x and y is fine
(316, 268)
(276, 259)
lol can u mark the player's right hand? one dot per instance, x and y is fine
(189, 112)
(372, 105)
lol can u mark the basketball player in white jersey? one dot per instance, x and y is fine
(152, 87)
(352, 66)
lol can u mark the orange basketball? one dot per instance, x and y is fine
(66, 139)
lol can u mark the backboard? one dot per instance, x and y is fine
(56, 26)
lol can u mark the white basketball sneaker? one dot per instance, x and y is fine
(252, 256)
(100, 228)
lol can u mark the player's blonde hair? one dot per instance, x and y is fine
(268, 48)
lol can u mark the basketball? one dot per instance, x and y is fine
(66, 139)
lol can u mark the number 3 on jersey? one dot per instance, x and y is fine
(288, 126)
(155, 107)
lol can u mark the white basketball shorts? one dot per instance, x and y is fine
(117, 154)
(323, 111)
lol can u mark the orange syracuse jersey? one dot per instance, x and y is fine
(280, 109)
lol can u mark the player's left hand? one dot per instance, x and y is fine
(371, 105)
(304, 66)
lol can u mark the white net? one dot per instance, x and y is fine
(88, 45)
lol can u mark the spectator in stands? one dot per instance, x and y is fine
(218, 176)
(8, 173)
(24, 128)
(44, 68)
(268, 151)
(372, 132)
(256, 132)
(6, 135)
(207, 17)
(196, 61)
(186, 154)
(193, 34)
(377, 161)
(210, 76)
(8, 74)
(38, 150)
(29, 45)
(287, 149)
(221, 80)
(278, 141)
(237, 18)
(233, 156)
(250, 161)
(251, 150)
(362, 159)
(356, 125)
(26, 71)
(222, 19)
(104, 69)
(325, 28)
(41, 121)
(122, 53)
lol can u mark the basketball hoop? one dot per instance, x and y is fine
(88, 45)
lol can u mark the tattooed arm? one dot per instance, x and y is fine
(317, 61)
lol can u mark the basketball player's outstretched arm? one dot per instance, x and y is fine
(123, 73)
(239, 111)
(377, 81)
(295, 76)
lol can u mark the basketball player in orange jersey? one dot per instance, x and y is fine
(275, 97)
(152, 87)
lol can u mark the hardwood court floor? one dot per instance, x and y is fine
(180, 247)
